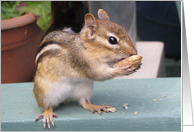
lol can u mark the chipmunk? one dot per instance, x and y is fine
(67, 64)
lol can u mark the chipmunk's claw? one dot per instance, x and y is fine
(47, 118)
(104, 107)
(99, 108)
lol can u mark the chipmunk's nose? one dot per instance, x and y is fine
(130, 52)
(133, 51)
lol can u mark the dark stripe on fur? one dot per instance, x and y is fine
(45, 44)
(50, 53)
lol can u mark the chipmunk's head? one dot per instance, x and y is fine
(106, 39)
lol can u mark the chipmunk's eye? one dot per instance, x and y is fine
(112, 40)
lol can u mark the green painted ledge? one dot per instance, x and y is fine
(19, 107)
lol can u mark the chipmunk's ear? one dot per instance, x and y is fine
(91, 22)
(103, 15)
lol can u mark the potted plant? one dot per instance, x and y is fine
(23, 24)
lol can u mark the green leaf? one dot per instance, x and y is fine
(42, 9)
(3, 16)
(8, 9)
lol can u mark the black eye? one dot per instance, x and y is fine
(112, 40)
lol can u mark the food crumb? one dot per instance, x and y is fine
(153, 99)
(164, 96)
(135, 113)
(125, 106)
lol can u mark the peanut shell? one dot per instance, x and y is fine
(134, 61)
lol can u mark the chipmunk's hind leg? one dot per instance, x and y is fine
(47, 117)
(96, 108)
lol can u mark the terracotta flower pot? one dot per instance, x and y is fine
(20, 38)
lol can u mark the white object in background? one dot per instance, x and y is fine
(152, 61)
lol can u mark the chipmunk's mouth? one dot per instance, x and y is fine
(123, 58)
(120, 59)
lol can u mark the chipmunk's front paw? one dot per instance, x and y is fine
(129, 65)
(47, 117)
(126, 70)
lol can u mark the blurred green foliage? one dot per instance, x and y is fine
(41, 9)
(8, 9)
